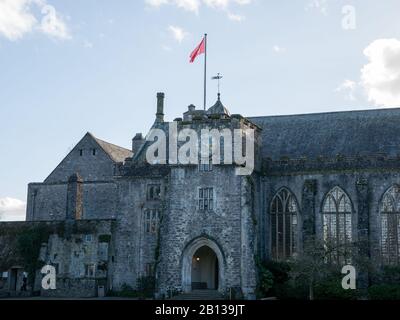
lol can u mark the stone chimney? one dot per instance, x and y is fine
(137, 142)
(75, 197)
(160, 107)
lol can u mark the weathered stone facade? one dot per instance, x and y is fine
(145, 219)
(74, 248)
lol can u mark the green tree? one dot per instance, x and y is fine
(319, 261)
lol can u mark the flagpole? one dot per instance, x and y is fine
(205, 72)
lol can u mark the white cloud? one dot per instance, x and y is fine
(12, 209)
(243, 2)
(87, 44)
(52, 24)
(348, 87)
(195, 5)
(156, 3)
(178, 33)
(217, 4)
(188, 5)
(17, 18)
(222, 4)
(319, 5)
(236, 17)
(381, 76)
(279, 49)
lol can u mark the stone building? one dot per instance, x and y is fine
(113, 218)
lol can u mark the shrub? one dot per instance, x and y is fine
(331, 289)
(265, 279)
(29, 244)
(145, 289)
(265, 283)
(146, 286)
(384, 292)
(391, 275)
(280, 273)
(280, 270)
(292, 290)
(385, 284)
(290, 285)
(127, 291)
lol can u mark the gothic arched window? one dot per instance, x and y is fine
(390, 224)
(283, 225)
(337, 222)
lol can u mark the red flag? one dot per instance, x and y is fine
(201, 48)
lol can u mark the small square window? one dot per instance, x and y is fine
(90, 270)
(151, 220)
(154, 192)
(149, 269)
(205, 167)
(206, 196)
(88, 238)
(103, 251)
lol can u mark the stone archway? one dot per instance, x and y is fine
(203, 264)
(205, 269)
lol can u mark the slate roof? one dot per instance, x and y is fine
(218, 108)
(352, 133)
(116, 153)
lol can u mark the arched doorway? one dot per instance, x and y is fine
(202, 266)
(205, 269)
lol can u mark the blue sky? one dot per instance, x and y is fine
(68, 67)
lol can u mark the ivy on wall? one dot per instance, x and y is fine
(20, 243)
(28, 246)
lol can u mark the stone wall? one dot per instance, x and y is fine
(227, 227)
(230, 228)
(365, 189)
(134, 247)
(69, 246)
(238, 227)
(48, 201)
(90, 167)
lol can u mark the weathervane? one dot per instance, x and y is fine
(218, 77)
